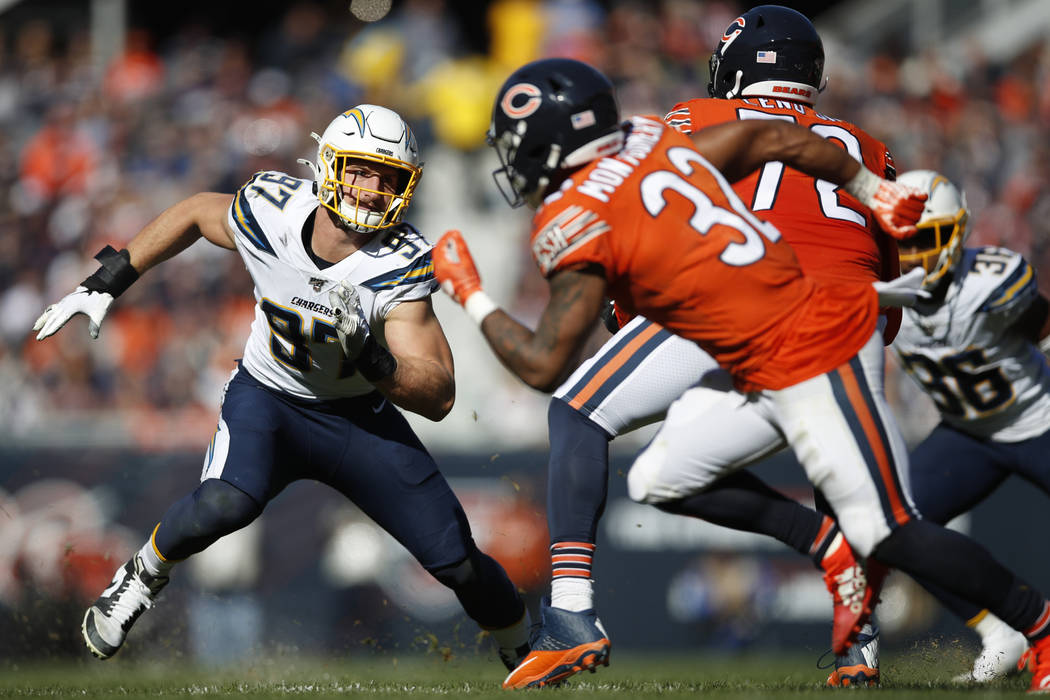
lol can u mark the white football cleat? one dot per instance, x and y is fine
(131, 593)
(1002, 648)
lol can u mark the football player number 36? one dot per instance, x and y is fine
(958, 384)
(706, 213)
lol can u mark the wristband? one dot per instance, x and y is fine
(863, 186)
(375, 362)
(478, 306)
(116, 274)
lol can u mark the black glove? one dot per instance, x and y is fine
(609, 317)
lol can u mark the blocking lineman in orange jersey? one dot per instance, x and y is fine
(645, 215)
(639, 372)
(830, 232)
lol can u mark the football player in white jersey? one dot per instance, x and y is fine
(344, 331)
(976, 347)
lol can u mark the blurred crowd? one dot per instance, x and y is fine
(89, 154)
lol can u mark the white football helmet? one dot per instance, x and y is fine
(366, 133)
(943, 227)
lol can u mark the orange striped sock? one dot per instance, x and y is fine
(571, 585)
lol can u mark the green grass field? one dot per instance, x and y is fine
(919, 673)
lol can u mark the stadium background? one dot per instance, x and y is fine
(112, 110)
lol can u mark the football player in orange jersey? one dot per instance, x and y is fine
(646, 216)
(633, 379)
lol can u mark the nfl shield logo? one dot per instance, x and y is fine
(316, 283)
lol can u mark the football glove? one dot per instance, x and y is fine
(905, 290)
(350, 323)
(94, 295)
(896, 207)
(609, 320)
(454, 267)
(92, 304)
(371, 359)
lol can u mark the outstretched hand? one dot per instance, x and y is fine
(92, 304)
(454, 267)
(897, 208)
(905, 290)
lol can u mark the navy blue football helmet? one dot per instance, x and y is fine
(769, 51)
(551, 116)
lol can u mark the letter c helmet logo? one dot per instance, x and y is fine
(531, 103)
(731, 33)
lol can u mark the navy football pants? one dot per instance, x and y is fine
(362, 447)
(951, 472)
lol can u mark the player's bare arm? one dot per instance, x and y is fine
(173, 231)
(424, 380)
(541, 357)
(179, 226)
(738, 148)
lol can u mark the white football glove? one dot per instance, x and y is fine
(905, 290)
(94, 305)
(350, 323)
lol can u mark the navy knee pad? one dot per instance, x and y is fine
(215, 509)
(457, 575)
(484, 590)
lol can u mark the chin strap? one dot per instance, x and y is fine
(736, 86)
(310, 164)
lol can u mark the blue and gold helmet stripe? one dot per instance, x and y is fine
(356, 114)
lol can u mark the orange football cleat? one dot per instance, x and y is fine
(854, 593)
(1039, 661)
(565, 644)
(859, 667)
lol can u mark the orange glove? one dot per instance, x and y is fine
(454, 267)
(897, 208)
